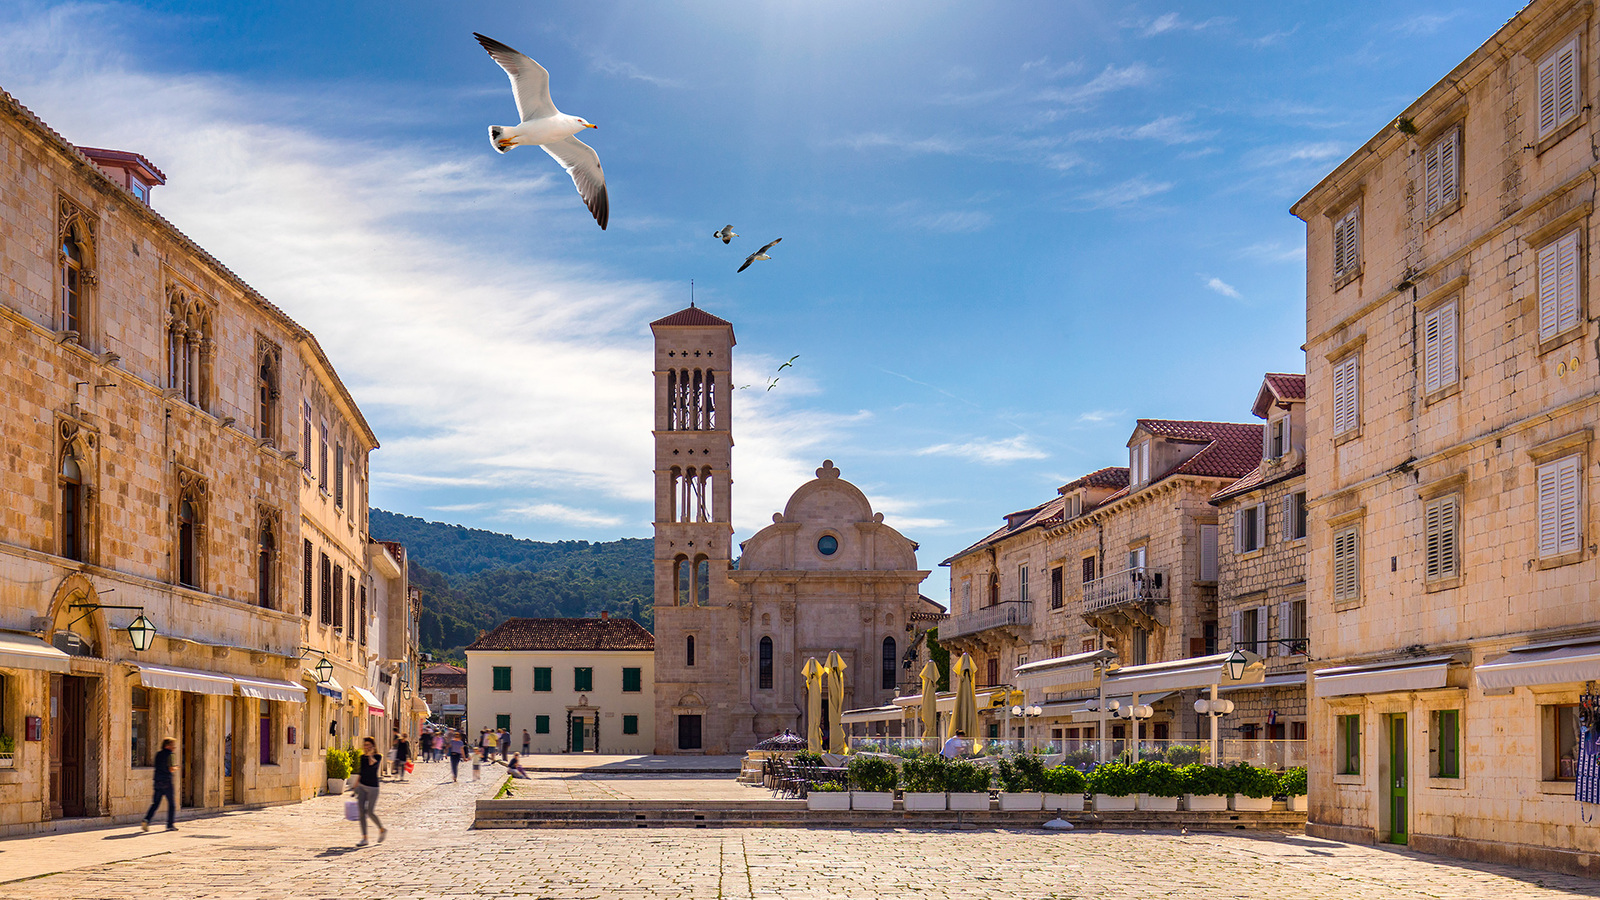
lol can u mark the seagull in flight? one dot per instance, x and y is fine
(545, 126)
(758, 255)
(727, 234)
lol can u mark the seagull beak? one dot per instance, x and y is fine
(590, 125)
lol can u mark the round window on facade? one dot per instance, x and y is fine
(827, 545)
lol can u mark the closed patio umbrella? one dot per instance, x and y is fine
(835, 673)
(813, 674)
(930, 703)
(966, 711)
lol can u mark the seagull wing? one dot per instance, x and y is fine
(583, 164)
(748, 260)
(768, 247)
(529, 80)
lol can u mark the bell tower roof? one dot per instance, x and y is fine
(691, 317)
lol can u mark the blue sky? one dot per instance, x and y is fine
(1009, 229)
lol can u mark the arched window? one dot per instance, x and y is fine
(265, 547)
(71, 508)
(765, 665)
(680, 577)
(267, 399)
(672, 399)
(711, 399)
(71, 283)
(675, 478)
(186, 543)
(702, 581)
(890, 664)
(688, 650)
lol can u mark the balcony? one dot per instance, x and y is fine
(1130, 586)
(1010, 613)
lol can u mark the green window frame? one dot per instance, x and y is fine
(541, 724)
(582, 678)
(503, 720)
(1446, 743)
(632, 680)
(1349, 744)
(502, 678)
(541, 680)
(630, 724)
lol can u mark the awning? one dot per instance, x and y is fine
(195, 682)
(330, 688)
(1541, 664)
(1063, 672)
(1183, 675)
(374, 705)
(420, 707)
(946, 702)
(1291, 679)
(875, 714)
(24, 651)
(1085, 711)
(1428, 673)
(267, 689)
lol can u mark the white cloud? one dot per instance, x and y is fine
(627, 69)
(1097, 416)
(1287, 154)
(1424, 23)
(556, 512)
(1274, 251)
(1222, 287)
(1112, 78)
(1167, 130)
(1126, 193)
(1012, 449)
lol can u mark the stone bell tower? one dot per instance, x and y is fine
(696, 627)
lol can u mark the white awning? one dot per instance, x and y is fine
(374, 705)
(946, 702)
(1291, 679)
(24, 651)
(1183, 675)
(195, 682)
(420, 706)
(1429, 673)
(875, 714)
(1062, 673)
(1532, 666)
(267, 689)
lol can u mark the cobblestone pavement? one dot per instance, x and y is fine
(306, 851)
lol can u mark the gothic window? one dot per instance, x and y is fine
(701, 486)
(75, 236)
(688, 651)
(764, 665)
(890, 663)
(187, 520)
(711, 399)
(266, 553)
(672, 399)
(675, 478)
(267, 392)
(697, 408)
(71, 284)
(189, 347)
(71, 507)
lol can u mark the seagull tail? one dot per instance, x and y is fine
(494, 138)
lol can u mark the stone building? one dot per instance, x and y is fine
(826, 575)
(1453, 396)
(152, 403)
(444, 689)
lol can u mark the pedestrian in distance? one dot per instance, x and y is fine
(955, 747)
(165, 768)
(402, 756)
(525, 740)
(457, 745)
(477, 760)
(505, 743)
(515, 767)
(366, 789)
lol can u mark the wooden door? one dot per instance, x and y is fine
(1398, 830)
(74, 732)
(189, 768)
(688, 732)
(230, 760)
(55, 746)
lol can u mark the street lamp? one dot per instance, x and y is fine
(1236, 665)
(324, 671)
(142, 633)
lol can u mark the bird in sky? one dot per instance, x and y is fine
(545, 126)
(727, 234)
(774, 382)
(758, 255)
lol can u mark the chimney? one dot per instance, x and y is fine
(604, 615)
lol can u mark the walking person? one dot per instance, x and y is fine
(525, 740)
(477, 760)
(457, 745)
(505, 743)
(165, 768)
(402, 756)
(367, 789)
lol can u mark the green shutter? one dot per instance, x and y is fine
(582, 678)
(502, 678)
(1449, 727)
(541, 724)
(630, 724)
(630, 681)
(502, 721)
(541, 679)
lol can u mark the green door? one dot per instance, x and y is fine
(1397, 779)
(577, 735)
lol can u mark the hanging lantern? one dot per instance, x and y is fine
(142, 633)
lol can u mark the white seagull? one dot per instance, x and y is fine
(545, 126)
(758, 255)
(727, 234)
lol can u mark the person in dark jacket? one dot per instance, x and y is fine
(166, 766)
(402, 755)
(367, 789)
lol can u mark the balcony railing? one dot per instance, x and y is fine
(1011, 612)
(1135, 585)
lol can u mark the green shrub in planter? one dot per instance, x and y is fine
(871, 773)
(1292, 782)
(339, 764)
(1151, 753)
(828, 787)
(1158, 779)
(1204, 780)
(1184, 754)
(1062, 779)
(965, 777)
(1251, 781)
(1081, 759)
(8, 744)
(1114, 779)
(924, 774)
(807, 758)
(1021, 774)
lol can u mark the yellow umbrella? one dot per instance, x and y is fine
(835, 670)
(813, 673)
(966, 711)
(930, 701)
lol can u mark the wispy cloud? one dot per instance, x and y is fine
(1167, 130)
(1221, 287)
(1012, 449)
(1112, 78)
(1126, 193)
(954, 221)
(1424, 23)
(556, 512)
(1272, 38)
(1274, 251)
(624, 69)
(1099, 416)
(1286, 154)
(1172, 21)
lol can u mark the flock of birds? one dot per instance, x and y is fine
(542, 125)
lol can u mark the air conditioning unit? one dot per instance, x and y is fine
(68, 642)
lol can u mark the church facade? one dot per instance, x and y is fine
(826, 575)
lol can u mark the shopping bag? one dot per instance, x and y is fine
(410, 767)
(352, 810)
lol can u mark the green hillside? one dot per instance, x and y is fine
(470, 580)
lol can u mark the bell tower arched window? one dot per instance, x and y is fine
(71, 507)
(688, 650)
(680, 579)
(764, 665)
(702, 581)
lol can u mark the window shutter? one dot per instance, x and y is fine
(1547, 289)
(1447, 344)
(1430, 352)
(1547, 96)
(1238, 627)
(1285, 627)
(1261, 525)
(1432, 514)
(1566, 77)
(1288, 518)
(1430, 179)
(1346, 406)
(1566, 307)
(1262, 633)
(1449, 173)
(1238, 531)
(1208, 553)
(1548, 525)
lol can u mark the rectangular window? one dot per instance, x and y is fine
(1022, 583)
(266, 735)
(1208, 638)
(1558, 87)
(1058, 650)
(350, 603)
(1347, 395)
(1086, 646)
(1347, 244)
(1276, 438)
(1445, 743)
(138, 727)
(310, 595)
(361, 623)
(502, 678)
(326, 616)
(1560, 522)
(1439, 362)
(322, 459)
(305, 435)
(541, 680)
(1250, 528)
(630, 724)
(1348, 747)
(1057, 597)
(1247, 625)
(1141, 646)
(503, 720)
(1442, 169)
(1295, 628)
(1561, 742)
(632, 683)
(338, 476)
(338, 596)
(1294, 516)
(1558, 285)
(1088, 569)
(1347, 564)
(582, 678)
(541, 724)
(1139, 463)
(1441, 517)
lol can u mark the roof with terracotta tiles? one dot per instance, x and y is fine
(1110, 476)
(566, 634)
(1279, 387)
(1261, 476)
(691, 316)
(1046, 513)
(1233, 451)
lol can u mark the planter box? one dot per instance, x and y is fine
(1021, 802)
(1298, 803)
(1152, 803)
(8, 760)
(335, 785)
(879, 800)
(971, 802)
(917, 801)
(837, 800)
(1108, 803)
(1241, 803)
(1205, 802)
(1064, 802)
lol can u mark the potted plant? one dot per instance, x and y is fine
(1184, 754)
(922, 782)
(8, 751)
(1113, 787)
(872, 781)
(968, 784)
(1158, 785)
(807, 758)
(828, 795)
(1252, 787)
(1063, 788)
(1292, 785)
(1020, 786)
(1205, 788)
(338, 771)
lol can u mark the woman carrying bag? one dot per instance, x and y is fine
(366, 789)
(402, 757)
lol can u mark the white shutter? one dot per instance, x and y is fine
(1346, 565)
(1433, 528)
(1285, 628)
(1238, 531)
(1439, 348)
(1346, 405)
(1566, 282)
(1208, 553)
(1288, 518)
(1430, 352)
(1560, 528)
(1440, 174)
(1238, 627)
(1567, 82)
(1346, 244)
(1263, 635)
(1547, 96)
(1548, 525)
(1261, 524)
(1266, 442)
